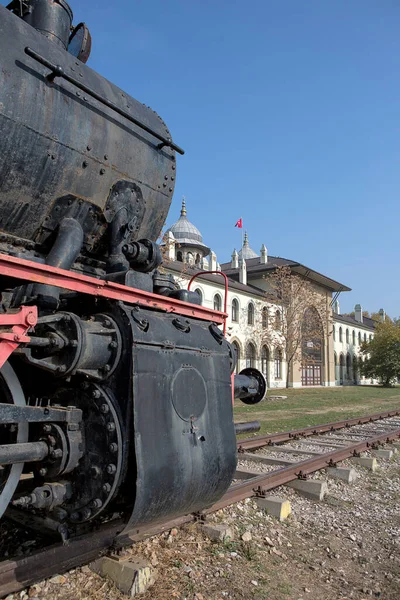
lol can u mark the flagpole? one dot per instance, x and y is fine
(242, 235)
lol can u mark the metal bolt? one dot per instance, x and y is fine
(85, 164)
(86, 513)
(106, 368)
(166, 177)
(47, 428)
(89, 148)
(73, 343)
(111, 469)
(102, 171)
(164, 185)
(96, 394)
(106, 323)
(43, 472)
(56, 453)
(110, 426)
(95, 472)
(107, 488)
(106, 157)
(104, 408)
(74, 516)
(113, 345)
(113, 447)
(61, 369)
(97, 503)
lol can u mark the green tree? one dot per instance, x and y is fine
(382, 354)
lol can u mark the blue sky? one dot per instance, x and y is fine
(289, 115)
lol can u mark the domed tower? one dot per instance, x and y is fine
(189, 247)
(246, 252)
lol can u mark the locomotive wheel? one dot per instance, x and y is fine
(10, 393)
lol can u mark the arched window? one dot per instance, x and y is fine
(179, 256)
(250, 355)
(355, 369)
(217, 302)
(264, 360)
(190, 258)
(348, 366)
(278, 320)
(235, 310)
(370, 338)
(250, 314)
(335, 357)
(365, 337)
(265, 318)
(347, 336)
(237, 351)
(200, 293)
(359, 338)
(198, 259)
(278, 363)
(334, 334)
(354, 337)
(340, 335)
(341, 368)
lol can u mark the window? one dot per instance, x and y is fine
(265, 318)
(217, 302)
(278, 363)
(334, 334)
(348, 366)
(179, 256)
(250, 314)
(237, 351)
(365, 337)
(278, 321)
(354, 337)
(340, 335)
(264, 359)
(370, 338)
(190, 258)
(200, 293)
(235, 310)
(250, 355)
(359, 338)
(347, 336)
(198, 259)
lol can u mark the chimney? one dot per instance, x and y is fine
(382, 315)
(358, 313)
(170, 246)
(263, 255)
(218, 267)
(336, 307)
(213, 261)
(242, 271)
(235, 260)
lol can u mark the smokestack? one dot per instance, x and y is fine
(235, 260)
(242, 271)
(358, 313)
(263, 255)
(382, 315)
(336, 307)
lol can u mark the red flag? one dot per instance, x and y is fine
(239, 223)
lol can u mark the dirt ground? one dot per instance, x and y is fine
(344, 547)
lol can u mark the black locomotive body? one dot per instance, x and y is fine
(116, 387)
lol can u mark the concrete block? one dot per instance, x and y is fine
(131, 576)
(383, 453)
(310, 488)
(275, 506)
(367, 462)
(217, 533)
(347, 475)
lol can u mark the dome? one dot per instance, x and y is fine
(186, 233)
(246, 252)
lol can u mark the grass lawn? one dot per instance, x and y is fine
(314, 406)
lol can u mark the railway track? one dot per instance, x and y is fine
(286, 456)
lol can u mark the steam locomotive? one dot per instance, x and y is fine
(116, 386)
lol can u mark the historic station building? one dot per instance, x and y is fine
(254, 322)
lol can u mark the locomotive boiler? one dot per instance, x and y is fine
(116, 386)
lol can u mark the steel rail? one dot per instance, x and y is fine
(260, 484)
(276, 438)
(17, 574)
